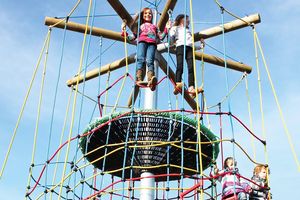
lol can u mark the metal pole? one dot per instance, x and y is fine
(147, 186)
(150, 102)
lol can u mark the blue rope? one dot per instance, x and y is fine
(134, 149)
(99, 56)
(55, 99)
(182, 96)
(170, 108)
(82, 97)
(227, 87)
(105, 152)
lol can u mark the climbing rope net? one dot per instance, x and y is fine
(108, 158)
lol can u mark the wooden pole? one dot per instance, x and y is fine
(72, 26)
(123, 13)
(220, 62)
(104, 69)
(230, 26)
(164, 15)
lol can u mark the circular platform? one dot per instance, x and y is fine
(150, 136)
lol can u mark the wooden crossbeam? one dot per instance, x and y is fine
(102, 70)
(228, 27)
(164, 15)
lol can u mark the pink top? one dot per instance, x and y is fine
(149, 33)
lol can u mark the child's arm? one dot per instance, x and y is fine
(163, 34)
(129, 37)
(201, 46)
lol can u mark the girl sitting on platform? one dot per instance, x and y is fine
(183, 39)
(147, 40)
(260, 189)
(232, 188)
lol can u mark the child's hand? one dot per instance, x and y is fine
(202, 43)
(123, 26)
(169, 24)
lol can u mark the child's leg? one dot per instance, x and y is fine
(179, 70)
(152, 80)
(191, 74)
(189, 61)
(179, 59)
(141, 55)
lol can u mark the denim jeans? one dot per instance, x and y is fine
(146, 52)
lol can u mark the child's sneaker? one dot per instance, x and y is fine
(152, 80)
(177, 88)
(192, 91)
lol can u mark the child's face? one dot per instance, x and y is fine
(263, 173)
(147, 16)
(231, 164)
(187, 22)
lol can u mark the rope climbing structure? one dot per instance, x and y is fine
(162, 148)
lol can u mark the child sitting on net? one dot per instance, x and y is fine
(182, 36)
(147, 38)
(260, 189)
(230, 180)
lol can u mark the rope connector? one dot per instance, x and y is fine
(170, 12)
(232, 140)
(264, 142)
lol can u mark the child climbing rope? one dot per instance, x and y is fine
(231, 185)
(260, 190)
(147, 40)
(183, 39)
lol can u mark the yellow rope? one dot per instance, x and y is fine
(126, 72)
(278, 105)
(70, 13)
(250, 118)
(61, 140)
(230, 92)
(38, 112)
(197, 97)
(230, 13)
(24, 104)
(75, 98)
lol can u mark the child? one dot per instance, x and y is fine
(178, 33)
(148, 38)
(230, 181)
(260, 190)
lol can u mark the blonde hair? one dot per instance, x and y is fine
(258, 169)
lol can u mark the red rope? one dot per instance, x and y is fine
(142, 112)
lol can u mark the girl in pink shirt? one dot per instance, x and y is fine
(147, 40)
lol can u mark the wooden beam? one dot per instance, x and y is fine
(230, 26)
(212, 59)
(102, 70)
(220, 62)
(164, 15)
(122, 12)
(72, 26)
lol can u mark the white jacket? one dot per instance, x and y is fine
(177, 34)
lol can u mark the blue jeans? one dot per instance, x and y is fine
(146, 52)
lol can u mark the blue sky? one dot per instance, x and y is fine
(21, 39)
